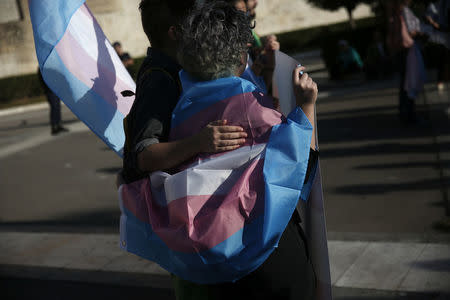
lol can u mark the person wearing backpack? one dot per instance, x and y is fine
(157, 92)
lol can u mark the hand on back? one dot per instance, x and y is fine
(219, 137)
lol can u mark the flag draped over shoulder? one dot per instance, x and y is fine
(80, 66)
(219, 216)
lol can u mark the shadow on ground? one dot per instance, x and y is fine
(105, 221)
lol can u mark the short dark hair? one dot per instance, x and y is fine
(213, 39)
(116, 44)
(158, 15)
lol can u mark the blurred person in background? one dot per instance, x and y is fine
(403, 39)
(259, 45)
(124, 56)
(377, 63)
(256, 43)
(262, 58)
(437, 15)
(348, 60)
(55, 107)
(238, 4)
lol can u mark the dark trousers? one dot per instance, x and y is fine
(406, 105)
(444, 65)
(287, 274)
(55, 108)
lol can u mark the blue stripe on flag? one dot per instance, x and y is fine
(206, 93)
(101, 117)
(205, 267)
(285, 165)
(258, 81)
(50, 19)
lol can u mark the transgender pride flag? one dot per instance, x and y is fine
(219, 216)
(78, 63)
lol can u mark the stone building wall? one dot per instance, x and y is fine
(274, 16)
(17, 54)
(120, 21)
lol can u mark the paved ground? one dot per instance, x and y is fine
(385, 189)
(393, 267)
(28, 289)
(379, 175)
(55, 183)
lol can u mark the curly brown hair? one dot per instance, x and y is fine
(213, 39)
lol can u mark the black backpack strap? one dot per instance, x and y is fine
(128, 93)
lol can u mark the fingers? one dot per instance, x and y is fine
(233, 142)
(218, 123)
(296, 74)
(229, 128)
(309, 80)
(224, 137)
(232, 135)
(305, 88)
(227, 145)
(304, 79)
(223, 128)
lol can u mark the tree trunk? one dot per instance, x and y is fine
(20, 10)
(350, 18)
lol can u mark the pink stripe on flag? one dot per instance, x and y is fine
(112, 67)
(107, 85)
(136, 198)
(196, 223)
(252, 111)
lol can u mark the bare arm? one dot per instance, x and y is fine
(432, 22)
(163, 156)
(215, 137)
(305, 90)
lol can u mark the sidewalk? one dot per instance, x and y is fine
(96, 258)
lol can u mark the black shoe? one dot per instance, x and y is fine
(57, 129)
(62, 129)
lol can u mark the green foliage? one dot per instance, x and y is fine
(17, 87)
(332, 5)
(349, 5)
(326, 37)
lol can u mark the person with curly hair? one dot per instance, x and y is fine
(158, 89)
(212, 50)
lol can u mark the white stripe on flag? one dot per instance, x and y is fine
(82, 29)
(215, 176)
